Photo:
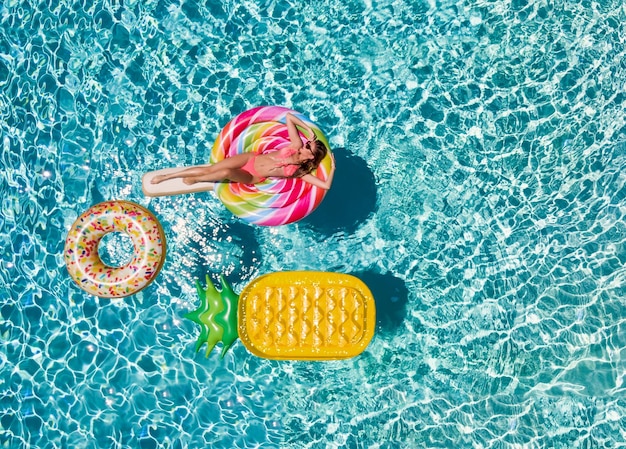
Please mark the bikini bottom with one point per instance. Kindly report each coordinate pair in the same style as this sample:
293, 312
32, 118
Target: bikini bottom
249, 167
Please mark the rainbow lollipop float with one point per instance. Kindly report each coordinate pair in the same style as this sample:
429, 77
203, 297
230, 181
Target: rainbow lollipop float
273, 202
294, 315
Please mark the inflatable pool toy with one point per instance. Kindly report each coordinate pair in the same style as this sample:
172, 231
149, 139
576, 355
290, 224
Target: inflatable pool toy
273, 202
81, 249
297, 315
306, 315
293, 315
276, 201
216, 316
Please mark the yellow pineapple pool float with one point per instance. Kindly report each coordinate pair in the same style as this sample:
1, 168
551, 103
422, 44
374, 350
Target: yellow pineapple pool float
293, 315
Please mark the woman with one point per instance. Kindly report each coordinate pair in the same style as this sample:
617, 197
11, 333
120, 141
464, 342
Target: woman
295, 161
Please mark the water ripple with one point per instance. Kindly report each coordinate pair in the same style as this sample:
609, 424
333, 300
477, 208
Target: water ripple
495, 133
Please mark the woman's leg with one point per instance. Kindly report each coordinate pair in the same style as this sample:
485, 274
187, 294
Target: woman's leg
224, 174
206, 171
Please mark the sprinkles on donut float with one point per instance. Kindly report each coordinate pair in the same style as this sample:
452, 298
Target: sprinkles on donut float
81, 249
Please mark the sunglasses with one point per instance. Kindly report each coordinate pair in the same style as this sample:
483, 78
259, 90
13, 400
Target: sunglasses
308, 145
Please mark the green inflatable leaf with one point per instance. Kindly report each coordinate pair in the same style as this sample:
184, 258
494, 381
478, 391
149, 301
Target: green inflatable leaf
216, 316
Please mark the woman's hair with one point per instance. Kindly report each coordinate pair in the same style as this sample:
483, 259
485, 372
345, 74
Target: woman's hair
319, 151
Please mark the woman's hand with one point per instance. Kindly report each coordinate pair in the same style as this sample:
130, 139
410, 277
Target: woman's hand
294, 136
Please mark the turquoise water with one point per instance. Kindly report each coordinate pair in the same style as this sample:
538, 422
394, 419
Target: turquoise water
480, 193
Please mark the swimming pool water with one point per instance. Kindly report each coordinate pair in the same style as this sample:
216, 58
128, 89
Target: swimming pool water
480, 193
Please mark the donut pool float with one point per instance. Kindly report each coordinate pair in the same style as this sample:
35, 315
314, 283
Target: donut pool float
86, 267
275, 201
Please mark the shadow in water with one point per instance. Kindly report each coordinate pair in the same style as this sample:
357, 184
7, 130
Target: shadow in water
351, 199
226, 248
391, 297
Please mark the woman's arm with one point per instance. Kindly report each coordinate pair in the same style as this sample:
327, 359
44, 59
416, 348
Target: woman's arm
292, 123
314, 180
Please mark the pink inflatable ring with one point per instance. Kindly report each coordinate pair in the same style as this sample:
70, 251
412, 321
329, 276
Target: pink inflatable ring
275, 201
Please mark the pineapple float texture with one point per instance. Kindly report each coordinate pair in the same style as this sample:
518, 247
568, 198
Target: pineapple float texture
294, 315
305, 315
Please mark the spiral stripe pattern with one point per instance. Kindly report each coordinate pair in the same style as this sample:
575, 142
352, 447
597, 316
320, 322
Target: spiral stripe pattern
275, 201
